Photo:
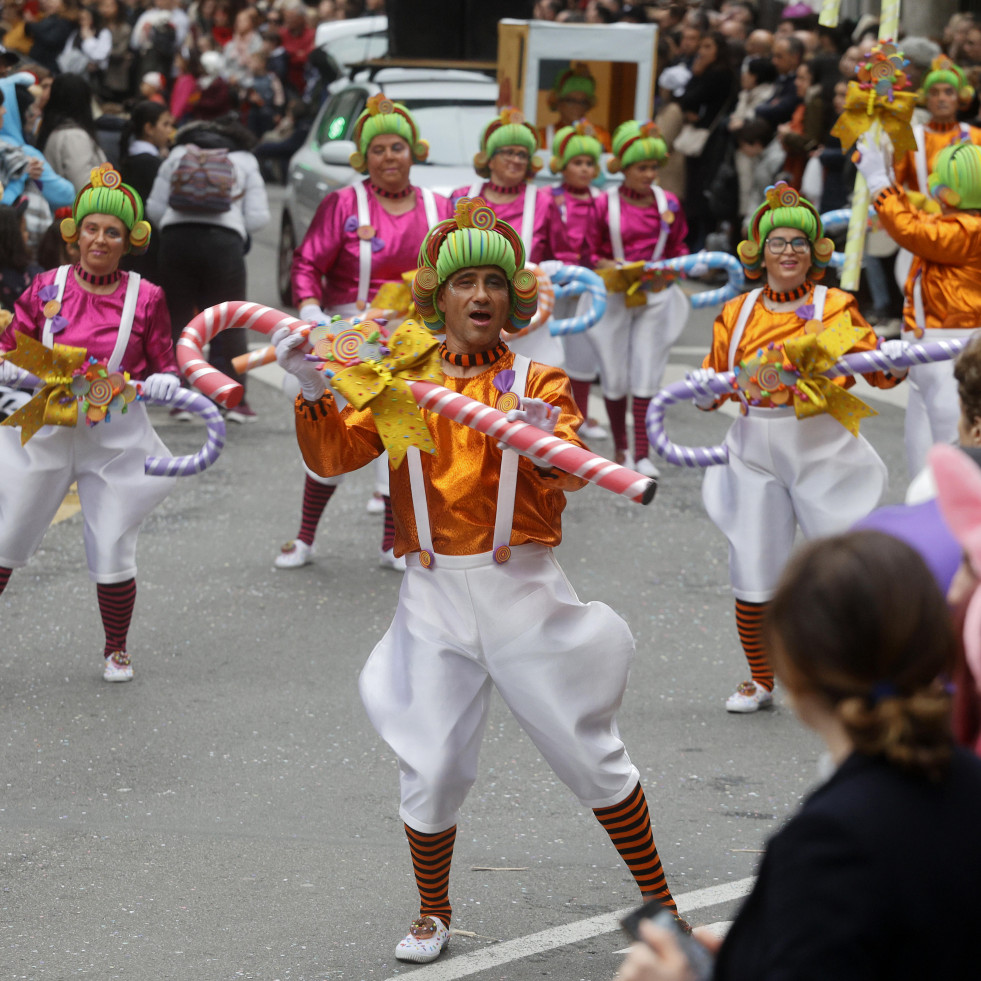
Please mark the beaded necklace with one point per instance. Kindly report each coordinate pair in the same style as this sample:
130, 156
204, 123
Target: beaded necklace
480, 359
795, 294
88, 277
392, 195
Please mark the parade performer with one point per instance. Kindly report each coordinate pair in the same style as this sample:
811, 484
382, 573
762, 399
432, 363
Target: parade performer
507, 160
572, 96
944, 91
576, 156
785, 471
641, 223
120, 319
361, 238
943, 287
483, 603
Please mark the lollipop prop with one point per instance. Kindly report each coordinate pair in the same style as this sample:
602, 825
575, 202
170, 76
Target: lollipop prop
874, 104
858, 363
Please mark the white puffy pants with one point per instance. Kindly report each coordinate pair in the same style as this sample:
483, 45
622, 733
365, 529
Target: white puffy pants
784, 472
468, 624
933, 407
115, 493
631, 344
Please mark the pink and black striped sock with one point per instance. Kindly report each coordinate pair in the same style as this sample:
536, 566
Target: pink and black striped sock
4, 577
116, 602
641, 445
315, 498
580, 392
388, 535
616, 409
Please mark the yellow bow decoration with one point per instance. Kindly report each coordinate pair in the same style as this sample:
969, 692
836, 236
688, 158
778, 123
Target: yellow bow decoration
814, 354
383, 386
55, 404
395, 296
863, 107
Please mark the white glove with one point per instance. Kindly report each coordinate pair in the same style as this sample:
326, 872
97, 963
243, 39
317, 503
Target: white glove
704, 398
162, 387
536, 413
873, 165
892, 351
313, 314
9, 373
291, 359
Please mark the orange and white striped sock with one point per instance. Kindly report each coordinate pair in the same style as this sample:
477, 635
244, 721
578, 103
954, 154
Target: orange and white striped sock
629, 826
749, 624
431, 858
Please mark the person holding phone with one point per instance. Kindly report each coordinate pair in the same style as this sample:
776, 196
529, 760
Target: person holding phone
861, 637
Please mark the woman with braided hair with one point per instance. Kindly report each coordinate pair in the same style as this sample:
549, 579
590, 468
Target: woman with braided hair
783, 471
863, 641
120, 319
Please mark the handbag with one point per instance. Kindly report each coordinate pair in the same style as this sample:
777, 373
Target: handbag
690, 142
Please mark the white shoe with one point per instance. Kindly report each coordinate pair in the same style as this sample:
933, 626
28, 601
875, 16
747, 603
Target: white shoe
749, 697
294, 554
422, 950
375, 505
118, 667
625, 458
592, 430
387, 560
647, 468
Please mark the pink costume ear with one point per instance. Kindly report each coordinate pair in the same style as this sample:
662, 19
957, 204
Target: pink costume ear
958, 480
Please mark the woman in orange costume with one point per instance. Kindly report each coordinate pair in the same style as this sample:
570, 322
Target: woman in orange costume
783, 471
943, 288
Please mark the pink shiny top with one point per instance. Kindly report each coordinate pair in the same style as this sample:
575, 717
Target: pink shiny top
93, 323
547, 232
583, 229
326, 263
641, 227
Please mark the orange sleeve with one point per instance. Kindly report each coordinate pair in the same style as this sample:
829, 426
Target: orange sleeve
333, 442
943, 239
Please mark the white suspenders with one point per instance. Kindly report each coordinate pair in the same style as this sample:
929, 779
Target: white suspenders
125, 322
364, 245
616, 233
505, 489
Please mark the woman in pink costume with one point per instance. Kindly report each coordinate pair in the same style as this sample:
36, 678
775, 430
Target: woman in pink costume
361, 238
576, 156
506, 162
121, 319
641, 222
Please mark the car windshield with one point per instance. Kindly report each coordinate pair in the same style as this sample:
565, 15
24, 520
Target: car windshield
452, 128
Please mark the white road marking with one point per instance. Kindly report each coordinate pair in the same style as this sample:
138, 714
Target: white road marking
568, 933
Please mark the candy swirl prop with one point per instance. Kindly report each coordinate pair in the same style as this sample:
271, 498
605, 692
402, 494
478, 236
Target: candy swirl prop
185, 466
686, 264
573, 281
874, 104
476, 415
233, 313
858, 363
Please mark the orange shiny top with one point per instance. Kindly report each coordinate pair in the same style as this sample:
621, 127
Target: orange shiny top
946, 256
462, 476
765, 327
935, 140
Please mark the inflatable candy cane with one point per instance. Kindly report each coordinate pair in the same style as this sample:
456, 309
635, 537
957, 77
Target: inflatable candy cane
548, 449
573, 281
713, 260
858, 363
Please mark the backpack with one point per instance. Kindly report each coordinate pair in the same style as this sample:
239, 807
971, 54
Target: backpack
202, 181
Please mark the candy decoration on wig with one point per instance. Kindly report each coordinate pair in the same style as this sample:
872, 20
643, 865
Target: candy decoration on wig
473, 237
507, 129
574, 141
875, 103
634, 141
106, 194
956, 179
766, 368
382, 116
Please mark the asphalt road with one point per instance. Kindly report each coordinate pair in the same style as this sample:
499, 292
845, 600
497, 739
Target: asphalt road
231, 813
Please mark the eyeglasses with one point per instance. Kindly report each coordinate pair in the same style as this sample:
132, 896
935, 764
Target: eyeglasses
521, 156
779, 245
